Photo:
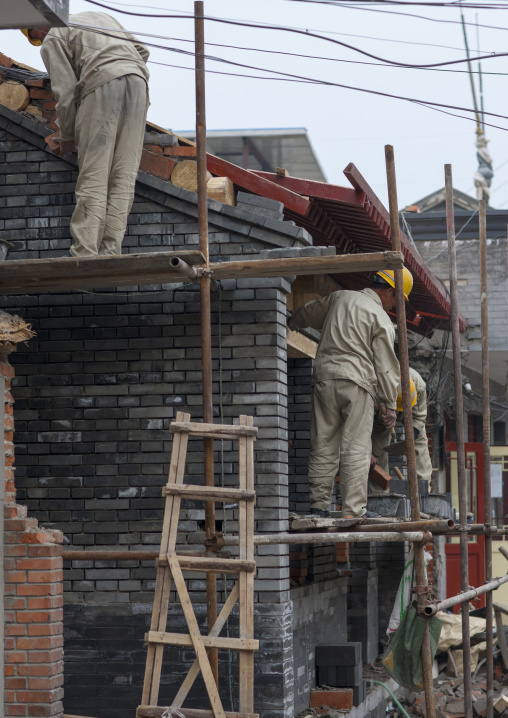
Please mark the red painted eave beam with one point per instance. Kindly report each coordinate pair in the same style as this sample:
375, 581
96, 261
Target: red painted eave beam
258, 185
411, 256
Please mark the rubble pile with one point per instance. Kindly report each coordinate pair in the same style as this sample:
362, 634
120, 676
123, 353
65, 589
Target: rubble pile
449, 696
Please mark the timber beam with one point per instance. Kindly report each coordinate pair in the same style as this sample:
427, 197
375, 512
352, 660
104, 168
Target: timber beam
338, 264
34, 276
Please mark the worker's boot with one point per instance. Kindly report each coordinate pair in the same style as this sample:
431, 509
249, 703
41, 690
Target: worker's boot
320, 513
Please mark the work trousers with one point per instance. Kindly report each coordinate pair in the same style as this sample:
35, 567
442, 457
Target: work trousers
341, 430
381, 437
110, 128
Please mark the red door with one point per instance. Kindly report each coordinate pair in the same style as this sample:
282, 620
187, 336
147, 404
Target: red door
474, 496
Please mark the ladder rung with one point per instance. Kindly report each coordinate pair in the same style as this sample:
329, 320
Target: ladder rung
213, 431
158, 711
183, 639
215, 493
220, 565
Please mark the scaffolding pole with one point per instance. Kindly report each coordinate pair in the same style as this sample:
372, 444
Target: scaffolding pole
421, 587
482, 206
206, 321
459, 424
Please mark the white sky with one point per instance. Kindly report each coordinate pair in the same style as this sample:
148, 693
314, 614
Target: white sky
344, 126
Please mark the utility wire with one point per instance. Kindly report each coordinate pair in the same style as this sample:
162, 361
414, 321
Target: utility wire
283, 27
426, 103
326, 32
261, 26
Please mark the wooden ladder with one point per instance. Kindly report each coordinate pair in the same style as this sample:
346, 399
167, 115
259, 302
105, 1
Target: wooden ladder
169, 568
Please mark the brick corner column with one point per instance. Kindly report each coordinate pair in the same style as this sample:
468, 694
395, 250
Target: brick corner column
33, 595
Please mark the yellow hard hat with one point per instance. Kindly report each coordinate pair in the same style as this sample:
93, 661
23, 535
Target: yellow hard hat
414, 395
407, 279
32, 40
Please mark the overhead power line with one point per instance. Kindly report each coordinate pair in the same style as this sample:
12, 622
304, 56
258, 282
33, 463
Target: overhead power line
287, 28
284, 75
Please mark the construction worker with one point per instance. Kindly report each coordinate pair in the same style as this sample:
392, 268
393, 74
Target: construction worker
381, 436
355, 364
99, 78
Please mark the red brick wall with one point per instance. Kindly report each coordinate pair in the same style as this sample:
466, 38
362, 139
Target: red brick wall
33, 599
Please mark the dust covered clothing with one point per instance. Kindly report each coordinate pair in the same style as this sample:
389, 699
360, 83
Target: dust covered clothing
100, 84
355, 362
79, 61
356, 343
381, 436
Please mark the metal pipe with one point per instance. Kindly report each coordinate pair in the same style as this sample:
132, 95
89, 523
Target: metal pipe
466, 596
459, 423
487, 495
206, 321
420, 573
183, 267
329, 537
432, 525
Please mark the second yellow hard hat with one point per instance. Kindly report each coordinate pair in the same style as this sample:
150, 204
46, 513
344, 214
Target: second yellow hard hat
389, 276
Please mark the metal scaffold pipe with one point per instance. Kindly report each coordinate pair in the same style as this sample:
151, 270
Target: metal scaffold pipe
487, 496
420, 574
332, 537
470, 595
459, 425
206, 321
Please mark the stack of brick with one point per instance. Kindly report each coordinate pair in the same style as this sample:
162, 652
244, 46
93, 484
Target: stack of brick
339, 665
33, 597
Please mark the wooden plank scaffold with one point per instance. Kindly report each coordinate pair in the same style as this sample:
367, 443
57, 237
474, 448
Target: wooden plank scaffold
169, 570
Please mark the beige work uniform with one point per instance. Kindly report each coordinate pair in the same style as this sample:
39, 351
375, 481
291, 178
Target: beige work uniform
100, 84
381, 436
355, 363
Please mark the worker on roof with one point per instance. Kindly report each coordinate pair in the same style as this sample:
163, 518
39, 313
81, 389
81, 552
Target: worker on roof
355, 365
381, 435
100, 81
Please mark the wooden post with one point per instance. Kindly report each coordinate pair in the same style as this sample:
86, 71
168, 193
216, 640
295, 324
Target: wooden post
206, 321
459, 424
421, 579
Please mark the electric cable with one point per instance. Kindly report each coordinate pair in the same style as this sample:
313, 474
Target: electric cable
287, 28
425, 103
326, 32
307, 34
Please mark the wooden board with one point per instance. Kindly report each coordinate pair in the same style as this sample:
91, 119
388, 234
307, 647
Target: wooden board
215, 493
182, 639
29, 276
339, 264
158, 711
219, 431
310, 523
299, 346
221, 189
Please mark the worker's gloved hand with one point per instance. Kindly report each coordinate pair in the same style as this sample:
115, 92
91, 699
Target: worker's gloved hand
416, 432
389, 418
373, 460
67, 146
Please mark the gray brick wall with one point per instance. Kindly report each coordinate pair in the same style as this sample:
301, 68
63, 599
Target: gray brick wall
95, 393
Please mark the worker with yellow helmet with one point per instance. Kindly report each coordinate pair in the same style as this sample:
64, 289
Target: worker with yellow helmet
99, 77
381, 436
355, 366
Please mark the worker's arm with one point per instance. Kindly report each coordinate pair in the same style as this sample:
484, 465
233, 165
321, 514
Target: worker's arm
386, 365
56, 53
312, 314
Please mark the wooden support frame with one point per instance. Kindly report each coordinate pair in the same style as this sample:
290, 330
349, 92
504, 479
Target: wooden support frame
169, 571
33, 276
